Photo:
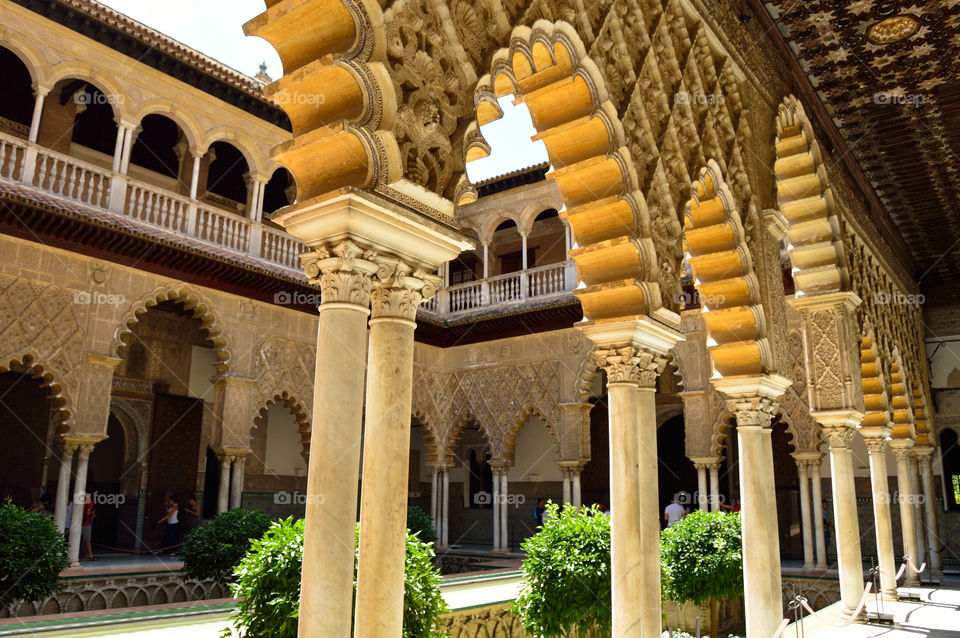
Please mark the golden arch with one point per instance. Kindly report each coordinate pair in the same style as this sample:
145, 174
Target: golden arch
807, 202
715, 245
547, 68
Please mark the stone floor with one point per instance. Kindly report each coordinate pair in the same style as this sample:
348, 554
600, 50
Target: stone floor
117, 563
935, 615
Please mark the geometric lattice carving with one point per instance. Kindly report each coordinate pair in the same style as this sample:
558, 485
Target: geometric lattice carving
284, 371
40, 330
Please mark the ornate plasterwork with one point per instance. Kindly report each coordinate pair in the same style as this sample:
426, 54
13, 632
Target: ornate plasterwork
399, 290
343, 271
284, 372
630, 365
41, 334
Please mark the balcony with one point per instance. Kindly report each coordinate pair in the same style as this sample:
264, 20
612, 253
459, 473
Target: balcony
544, 284
35, 166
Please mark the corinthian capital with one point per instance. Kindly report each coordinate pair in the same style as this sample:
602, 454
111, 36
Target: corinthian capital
344, 272
630, 365
876, 445
839, 437
753, 411
399, 289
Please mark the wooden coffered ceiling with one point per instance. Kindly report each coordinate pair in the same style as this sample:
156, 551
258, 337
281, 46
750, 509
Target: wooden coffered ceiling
896, 105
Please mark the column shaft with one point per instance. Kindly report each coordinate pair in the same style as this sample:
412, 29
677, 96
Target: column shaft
849, 560
445, 503
223, 493
326, 592
566, 485
504, 504
496, 508
917, 510
818, 514
63, 487
434, 499
907, 529
118, 147
386, 461
929, 508
195, 177
649, 509
37, 113
715, 487
79, 493
702, 494
577, 500
881, 515
625, 544
762, 587
236, 483
805, 514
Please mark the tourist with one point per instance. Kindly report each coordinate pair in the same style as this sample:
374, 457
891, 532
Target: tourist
674, 512
732, 508
191, 516
171, 533
538, 512
89, 513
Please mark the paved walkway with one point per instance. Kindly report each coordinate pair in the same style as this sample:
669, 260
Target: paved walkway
936, 615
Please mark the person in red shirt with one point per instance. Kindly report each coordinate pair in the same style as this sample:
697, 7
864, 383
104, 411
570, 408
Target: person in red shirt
89, 513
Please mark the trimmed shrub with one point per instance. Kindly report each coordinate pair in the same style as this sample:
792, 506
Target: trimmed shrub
268, 585
32, 555
566, 589
214, 549
420, 523
702, 560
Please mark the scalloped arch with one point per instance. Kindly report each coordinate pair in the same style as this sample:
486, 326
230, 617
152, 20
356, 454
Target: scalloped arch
513, 431
807, 202
32, 364
301, 416
192, 300
715, 245
547, 68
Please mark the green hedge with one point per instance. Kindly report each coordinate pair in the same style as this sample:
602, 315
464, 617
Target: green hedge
32, 555
214, 549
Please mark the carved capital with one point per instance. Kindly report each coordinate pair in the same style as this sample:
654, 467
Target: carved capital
876, 445
399, 289
838, 437
343, 271
630, 365
903, 453
753, 411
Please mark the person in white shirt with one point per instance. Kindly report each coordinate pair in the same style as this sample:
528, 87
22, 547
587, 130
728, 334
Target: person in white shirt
674, 512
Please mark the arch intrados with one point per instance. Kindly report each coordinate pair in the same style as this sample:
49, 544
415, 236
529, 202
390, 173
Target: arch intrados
166, 108
513, 432
116, 98
28, 56
32, 365
233, 138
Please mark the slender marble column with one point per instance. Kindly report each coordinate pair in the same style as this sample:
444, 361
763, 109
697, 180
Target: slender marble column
649, 498
79, 496
39, 94
496, 508
566, 485
702, 496
802, 468
236, 482
930, 509
714, 486
128, 140
434, 499
577, 497
223, 493
762, 586
63, 485
118, 146
326, 590
445, 502
386, 451
626, 548
504, 504
901, 449
849, 560
877, 446
915, 499
818, 513
195, 175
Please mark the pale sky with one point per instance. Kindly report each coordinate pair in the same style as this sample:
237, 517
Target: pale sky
215, 28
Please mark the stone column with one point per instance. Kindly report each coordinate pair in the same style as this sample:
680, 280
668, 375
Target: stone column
79, 494
901, 450
63, 484
118, 146
714, 469
195, 174
703, 498
566, 485
504, 504
577, 500
495, 499
128, 140
434, 499
445, 502
40, 92
849, 560
236, 482
386, 452
326, 591
633, 354
223, 491
877, 446
523, 266
915, 499
821, 536
924, 455
802, 467
762, 587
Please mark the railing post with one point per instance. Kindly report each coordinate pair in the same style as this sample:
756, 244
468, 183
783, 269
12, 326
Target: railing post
118, 193
191, 229
484, 293
570, 275
256, 237
524, 278
29, 164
